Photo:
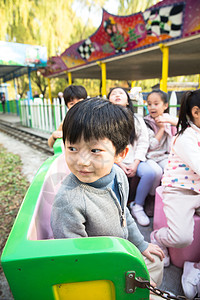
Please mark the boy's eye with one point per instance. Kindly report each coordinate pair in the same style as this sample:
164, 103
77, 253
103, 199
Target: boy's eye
95, 150
72, 149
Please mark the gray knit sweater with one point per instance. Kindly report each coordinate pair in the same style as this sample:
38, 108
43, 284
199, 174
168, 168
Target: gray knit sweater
81, 210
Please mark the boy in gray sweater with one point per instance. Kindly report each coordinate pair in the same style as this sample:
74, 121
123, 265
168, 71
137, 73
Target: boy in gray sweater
92, 200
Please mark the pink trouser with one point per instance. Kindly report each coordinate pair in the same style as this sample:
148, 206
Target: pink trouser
180, 205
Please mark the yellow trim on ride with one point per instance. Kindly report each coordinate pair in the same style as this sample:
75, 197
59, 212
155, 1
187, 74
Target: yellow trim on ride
87, 290
69, 75
103, 77
165, 63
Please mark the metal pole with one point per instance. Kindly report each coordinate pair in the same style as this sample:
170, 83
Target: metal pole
165, 63
49, 85
29, 79
133, 82
69, 74
103, 77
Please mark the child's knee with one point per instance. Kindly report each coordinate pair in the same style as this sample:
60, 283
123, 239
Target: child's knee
150, 174
158, 173
155, 269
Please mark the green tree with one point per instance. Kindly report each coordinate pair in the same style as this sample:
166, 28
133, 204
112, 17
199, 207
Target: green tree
127, 7
40, 82
22, 85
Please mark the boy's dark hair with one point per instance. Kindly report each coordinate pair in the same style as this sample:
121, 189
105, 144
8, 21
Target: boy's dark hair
188, 101
98, 118
74, 91
163, 95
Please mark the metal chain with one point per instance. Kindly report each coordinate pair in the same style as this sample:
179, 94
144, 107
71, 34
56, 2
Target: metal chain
164, 294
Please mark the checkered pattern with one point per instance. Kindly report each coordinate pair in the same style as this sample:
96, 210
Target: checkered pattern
164, 20
85, 50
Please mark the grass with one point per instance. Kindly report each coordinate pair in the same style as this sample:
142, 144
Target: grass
13, 186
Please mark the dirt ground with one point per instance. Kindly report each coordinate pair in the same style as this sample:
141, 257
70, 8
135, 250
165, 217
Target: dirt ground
31, 160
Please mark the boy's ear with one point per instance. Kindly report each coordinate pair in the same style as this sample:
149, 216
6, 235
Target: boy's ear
121, 155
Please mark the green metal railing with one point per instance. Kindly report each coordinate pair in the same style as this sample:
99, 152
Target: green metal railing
11, 107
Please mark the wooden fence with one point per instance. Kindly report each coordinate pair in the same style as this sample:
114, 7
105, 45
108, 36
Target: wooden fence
42, 115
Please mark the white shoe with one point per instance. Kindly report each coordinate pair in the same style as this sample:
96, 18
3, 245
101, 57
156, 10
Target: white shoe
138, 213
153, 239
190, 280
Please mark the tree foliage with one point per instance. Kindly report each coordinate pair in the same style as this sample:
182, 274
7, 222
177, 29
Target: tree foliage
40, 82
127, 7
51, 23
56, 24
22, 85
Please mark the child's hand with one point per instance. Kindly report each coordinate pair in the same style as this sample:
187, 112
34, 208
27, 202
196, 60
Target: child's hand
132, 168
57, 134
167, 119
160, 121
154, 249
123, 167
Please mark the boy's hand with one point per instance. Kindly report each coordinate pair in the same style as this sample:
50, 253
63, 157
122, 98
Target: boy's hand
154, 249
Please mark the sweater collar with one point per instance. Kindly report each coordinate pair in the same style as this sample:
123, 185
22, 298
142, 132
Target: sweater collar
104, 181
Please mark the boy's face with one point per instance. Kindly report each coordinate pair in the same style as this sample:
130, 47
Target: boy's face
89, 161
72, 102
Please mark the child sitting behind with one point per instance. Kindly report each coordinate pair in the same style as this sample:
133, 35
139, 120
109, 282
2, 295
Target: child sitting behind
135, 162
161, 128
72, 94
92, 200
181, 179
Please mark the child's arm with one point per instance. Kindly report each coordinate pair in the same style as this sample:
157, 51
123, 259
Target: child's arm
67, 217
55, 135
124, 167
166, 118
141, 144
161, 129
154, 143
187, 148
137, 239
132, 168
134, 234
161, 121
155, 139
